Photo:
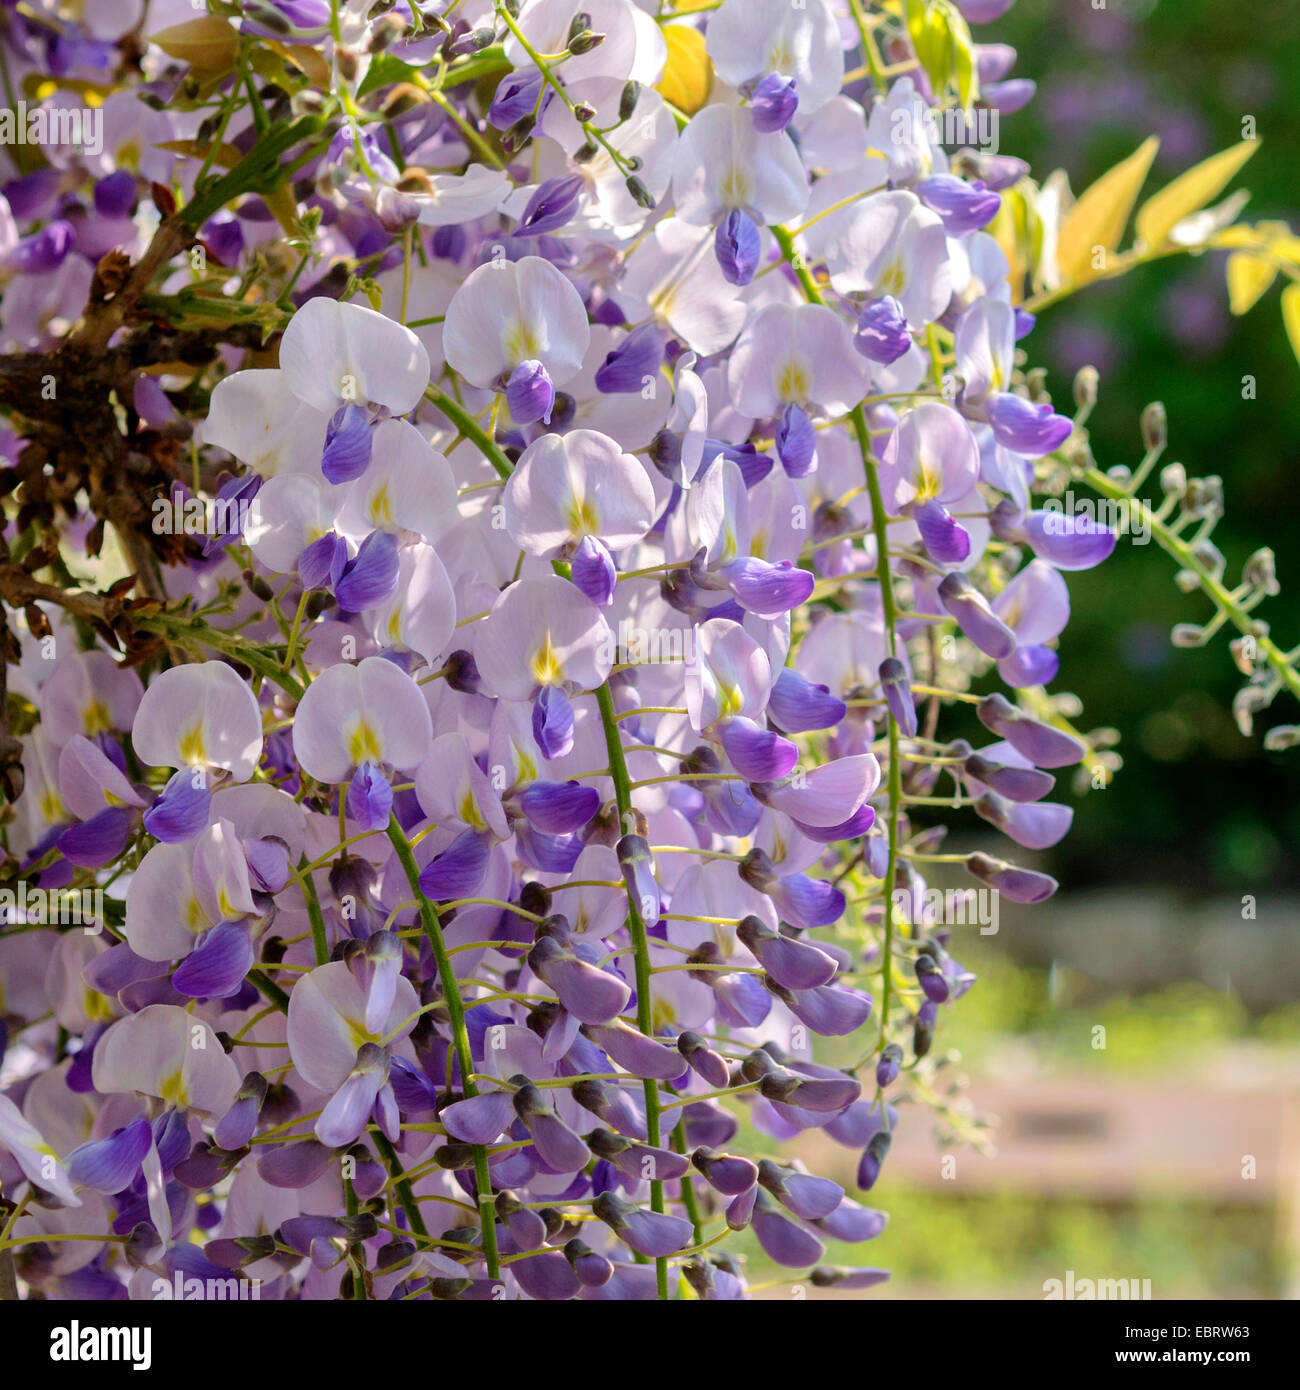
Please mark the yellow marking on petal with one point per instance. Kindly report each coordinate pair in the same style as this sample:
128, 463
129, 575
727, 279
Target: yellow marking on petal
469, 812
527, 767
363, 746
662, 1013
793, 384
730, 701
545, 665
395, 625
52, 807
893, 279
779, 58
195, 921
737, 188
229, 912
96, 718
520, 342
95, 1006
582, 517
381, 507
931, 484
191, 745
172, 1089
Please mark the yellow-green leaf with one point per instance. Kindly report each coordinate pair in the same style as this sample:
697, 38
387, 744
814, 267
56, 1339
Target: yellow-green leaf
1190, 192
1291, 316
1248, 277
1098, 219
688, 73
207, 44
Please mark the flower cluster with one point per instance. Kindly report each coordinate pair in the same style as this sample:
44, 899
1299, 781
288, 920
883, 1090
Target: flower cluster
610, 455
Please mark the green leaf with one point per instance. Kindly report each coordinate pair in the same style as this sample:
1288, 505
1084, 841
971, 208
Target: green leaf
1248, 278
1190, 192
1097, 220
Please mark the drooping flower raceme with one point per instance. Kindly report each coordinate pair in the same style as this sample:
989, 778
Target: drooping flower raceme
621, 458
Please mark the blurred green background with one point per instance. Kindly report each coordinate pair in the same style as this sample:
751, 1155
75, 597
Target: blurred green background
1198, 815
1194, 797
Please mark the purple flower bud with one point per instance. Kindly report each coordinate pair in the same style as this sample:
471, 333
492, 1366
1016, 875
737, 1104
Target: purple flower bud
217, 968
516, 97
627, 366
42, 252
530, 393
115, 194
458, 870
348, 440
1015, 783
370, 798
773, 103
963, 207
613, 1105
946, 541
590, 994
873, 1156
994, 60
784, 1241
809, 1198
1037, 825
726, 1174
1033, 665
321, 564
559, 1148
478, 1119
999, 171
758, 754
182, 809
295, 1165
370, 577
636, 1053
1019, 885
796, 442
237, 1125
799, 706
593, 571
1010, 96
594, 1271
887, 1069
978, 621
109, 1165
551, 206
793, 964
559, 808
931, 977
1025, 322
553, 722
652, 1234
898, 695
1024, 427
881, 333
738, 247
99, 840
1043, 745
1066, 540
767, 590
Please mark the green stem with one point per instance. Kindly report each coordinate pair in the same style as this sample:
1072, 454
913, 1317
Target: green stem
460, 1036
640, 951
889, 605
1169, 541
470, 428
